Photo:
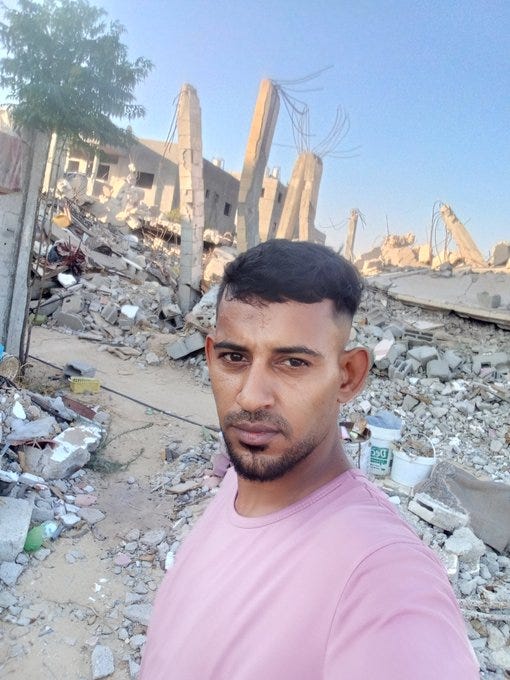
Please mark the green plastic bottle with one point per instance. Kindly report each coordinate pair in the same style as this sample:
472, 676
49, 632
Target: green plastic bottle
39, 534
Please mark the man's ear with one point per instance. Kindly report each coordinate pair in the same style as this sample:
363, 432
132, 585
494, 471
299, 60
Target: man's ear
209, 348
354, 367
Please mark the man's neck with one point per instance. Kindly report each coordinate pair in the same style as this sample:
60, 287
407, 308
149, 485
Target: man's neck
255, 499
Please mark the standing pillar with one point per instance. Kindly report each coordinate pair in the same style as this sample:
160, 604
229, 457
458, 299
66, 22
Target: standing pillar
255, 162
287, 226
191, 185
312, 173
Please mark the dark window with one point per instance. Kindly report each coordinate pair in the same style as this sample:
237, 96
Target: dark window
103, 171
73, 166
262, 192
207, 193
144, 180
110, 158
226, 209
279, 199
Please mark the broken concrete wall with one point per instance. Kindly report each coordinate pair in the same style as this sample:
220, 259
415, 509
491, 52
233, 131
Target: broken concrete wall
467, 247
255, 162
290, 214
17, 219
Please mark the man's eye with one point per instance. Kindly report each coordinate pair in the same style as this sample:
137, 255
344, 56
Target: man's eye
296, 363
232, 357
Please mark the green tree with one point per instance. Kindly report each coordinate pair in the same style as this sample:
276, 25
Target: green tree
68, 72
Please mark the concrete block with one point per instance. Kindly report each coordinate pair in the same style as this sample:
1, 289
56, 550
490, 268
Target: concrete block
488, 301
110, 313
402, 368
10, 572
423, 354
72, 321
72, 304
453, 360
71, 452
15, 516
187, 345
437, 513
24, 430
501, 254
496, 360
438, 368
79, 368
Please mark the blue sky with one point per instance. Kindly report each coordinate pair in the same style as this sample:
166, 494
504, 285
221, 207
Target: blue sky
426, 86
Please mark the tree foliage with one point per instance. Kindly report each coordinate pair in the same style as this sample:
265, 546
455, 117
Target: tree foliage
68, 72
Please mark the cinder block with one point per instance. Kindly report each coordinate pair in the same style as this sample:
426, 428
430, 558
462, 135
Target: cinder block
187, 345
15, 516
438, 368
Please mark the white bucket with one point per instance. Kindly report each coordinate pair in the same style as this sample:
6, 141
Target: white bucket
381, 445
409, 469
359, 453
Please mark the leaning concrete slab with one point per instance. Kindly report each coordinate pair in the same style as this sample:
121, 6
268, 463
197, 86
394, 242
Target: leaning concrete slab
15, 516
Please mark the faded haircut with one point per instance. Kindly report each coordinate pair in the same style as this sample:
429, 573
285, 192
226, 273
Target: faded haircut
281, 271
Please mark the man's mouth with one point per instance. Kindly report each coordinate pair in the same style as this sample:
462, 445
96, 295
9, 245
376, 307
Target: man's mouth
254, 434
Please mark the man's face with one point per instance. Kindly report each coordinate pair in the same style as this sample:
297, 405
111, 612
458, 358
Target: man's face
276, 373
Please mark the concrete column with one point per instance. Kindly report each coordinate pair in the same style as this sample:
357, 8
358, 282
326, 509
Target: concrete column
17, 221
348, 252
191, 184
467, 247
312, 173
255, 162
54, 164
288, 226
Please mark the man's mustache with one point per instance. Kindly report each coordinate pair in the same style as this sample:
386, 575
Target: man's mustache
259, 416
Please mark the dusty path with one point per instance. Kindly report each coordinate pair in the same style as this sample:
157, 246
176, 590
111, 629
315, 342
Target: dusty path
75, 597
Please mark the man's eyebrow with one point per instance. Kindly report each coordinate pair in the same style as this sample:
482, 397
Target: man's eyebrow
291, 349
225, 344
298, 349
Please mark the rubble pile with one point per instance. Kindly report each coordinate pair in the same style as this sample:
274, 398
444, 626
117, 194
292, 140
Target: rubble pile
402, 252
117, 288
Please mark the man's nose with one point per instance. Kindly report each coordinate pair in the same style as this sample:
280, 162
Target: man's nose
257, 389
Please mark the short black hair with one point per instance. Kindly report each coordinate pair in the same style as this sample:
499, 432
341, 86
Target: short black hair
280, 271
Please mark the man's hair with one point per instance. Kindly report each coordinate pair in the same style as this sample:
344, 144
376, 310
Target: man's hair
280, 271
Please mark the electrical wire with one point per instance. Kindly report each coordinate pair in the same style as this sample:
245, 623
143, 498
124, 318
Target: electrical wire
138, 401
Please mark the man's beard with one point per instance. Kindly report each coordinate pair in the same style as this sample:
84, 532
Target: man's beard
256, 465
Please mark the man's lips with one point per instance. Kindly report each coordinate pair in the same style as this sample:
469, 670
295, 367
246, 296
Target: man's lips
254, 434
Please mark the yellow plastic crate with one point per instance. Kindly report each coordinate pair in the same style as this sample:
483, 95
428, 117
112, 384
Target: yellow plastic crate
81, 385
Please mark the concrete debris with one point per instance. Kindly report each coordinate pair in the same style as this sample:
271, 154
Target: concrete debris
102, 662
15, 514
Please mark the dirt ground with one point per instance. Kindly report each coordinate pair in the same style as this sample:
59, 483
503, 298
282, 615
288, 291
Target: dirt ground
74, 604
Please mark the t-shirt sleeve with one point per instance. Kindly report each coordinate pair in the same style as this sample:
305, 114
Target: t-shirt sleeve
397, 619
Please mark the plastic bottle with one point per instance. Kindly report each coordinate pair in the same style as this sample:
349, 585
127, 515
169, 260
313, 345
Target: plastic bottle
39, 534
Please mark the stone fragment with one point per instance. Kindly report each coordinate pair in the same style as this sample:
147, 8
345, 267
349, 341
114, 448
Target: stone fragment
102, 662
91, 515
153, 538
10, 572
501, 657
7, 599
467, 546
80, 368
138, 613
85, 500
152, 359
110, 313
72, 304
452, 359
500, 254
72, 451
15, 514
69, 519
186, 345
72, 321
122, 560
438, 368
27, 430
488, 301
423, 354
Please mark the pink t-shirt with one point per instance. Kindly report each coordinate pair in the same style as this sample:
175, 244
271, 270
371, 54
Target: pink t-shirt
333, 587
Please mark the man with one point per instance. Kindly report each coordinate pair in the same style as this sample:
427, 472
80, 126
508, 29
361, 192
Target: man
299, 569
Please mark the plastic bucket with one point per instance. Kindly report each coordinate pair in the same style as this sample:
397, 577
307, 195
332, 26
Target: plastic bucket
357, 450
381, 446
409, 469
